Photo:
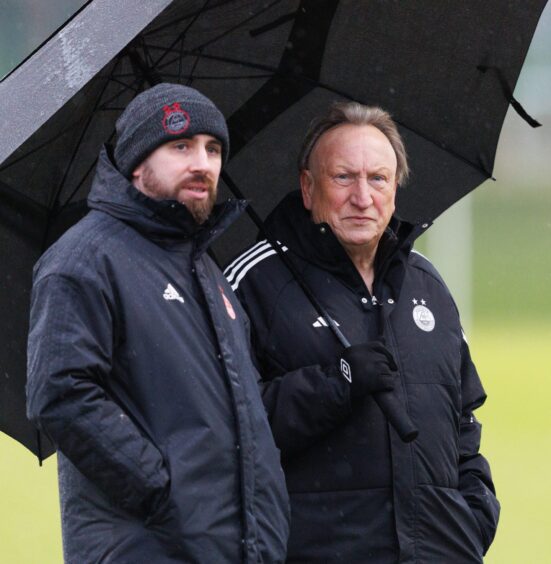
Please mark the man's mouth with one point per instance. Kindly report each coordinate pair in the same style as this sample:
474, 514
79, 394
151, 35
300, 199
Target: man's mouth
196, 191
360, 219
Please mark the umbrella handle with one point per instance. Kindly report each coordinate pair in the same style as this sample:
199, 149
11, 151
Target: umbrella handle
396, 414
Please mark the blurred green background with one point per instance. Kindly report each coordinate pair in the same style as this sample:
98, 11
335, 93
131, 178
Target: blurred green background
493, 249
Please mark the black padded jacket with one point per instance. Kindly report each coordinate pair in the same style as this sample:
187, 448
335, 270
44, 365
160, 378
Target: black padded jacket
140, 372
358, 493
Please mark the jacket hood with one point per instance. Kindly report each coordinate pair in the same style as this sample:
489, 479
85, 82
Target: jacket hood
160, 220
290, 223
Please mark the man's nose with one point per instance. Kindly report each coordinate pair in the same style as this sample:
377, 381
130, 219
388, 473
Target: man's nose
361, 195
200, 161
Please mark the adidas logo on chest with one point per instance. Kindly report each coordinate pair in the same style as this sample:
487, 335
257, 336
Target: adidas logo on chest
171, 294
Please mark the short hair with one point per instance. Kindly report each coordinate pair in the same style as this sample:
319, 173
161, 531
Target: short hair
354, 113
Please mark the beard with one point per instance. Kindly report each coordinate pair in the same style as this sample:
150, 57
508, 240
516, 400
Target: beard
155, 188
201, 210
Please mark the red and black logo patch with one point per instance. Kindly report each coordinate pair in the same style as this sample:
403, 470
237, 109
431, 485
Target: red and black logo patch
175, 119
227, 303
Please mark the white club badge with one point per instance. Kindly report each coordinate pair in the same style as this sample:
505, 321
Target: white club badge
423, 316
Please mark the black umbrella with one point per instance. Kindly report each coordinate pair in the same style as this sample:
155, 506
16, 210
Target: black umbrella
445, 70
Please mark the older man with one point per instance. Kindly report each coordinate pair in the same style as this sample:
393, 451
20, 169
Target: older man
358, 493
139, 366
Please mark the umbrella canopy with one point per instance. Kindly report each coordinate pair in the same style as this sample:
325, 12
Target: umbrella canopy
445, 70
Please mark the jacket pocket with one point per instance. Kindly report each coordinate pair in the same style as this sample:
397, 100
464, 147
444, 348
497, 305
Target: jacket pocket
164, 522
485, 508
447, 528
342, 526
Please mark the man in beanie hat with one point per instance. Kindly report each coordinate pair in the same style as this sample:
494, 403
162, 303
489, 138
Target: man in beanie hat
157, 125
139, 368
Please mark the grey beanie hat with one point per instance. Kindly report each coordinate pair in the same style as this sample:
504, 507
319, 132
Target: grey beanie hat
163, 113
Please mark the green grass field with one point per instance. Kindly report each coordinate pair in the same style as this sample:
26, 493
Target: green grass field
511, 345
515, 364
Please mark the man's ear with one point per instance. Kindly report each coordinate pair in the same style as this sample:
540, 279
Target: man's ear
306, 187
136, 177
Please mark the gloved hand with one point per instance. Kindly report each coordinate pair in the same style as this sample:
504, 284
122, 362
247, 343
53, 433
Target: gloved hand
369, 368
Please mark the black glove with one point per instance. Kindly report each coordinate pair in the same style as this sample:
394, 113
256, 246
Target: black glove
369, 368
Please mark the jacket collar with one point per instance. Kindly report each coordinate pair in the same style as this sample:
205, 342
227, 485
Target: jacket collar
290, 223
167, 222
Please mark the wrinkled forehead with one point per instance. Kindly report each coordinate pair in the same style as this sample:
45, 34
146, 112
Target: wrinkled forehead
354, 145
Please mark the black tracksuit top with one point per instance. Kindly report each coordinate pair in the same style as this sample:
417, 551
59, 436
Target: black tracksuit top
358, 493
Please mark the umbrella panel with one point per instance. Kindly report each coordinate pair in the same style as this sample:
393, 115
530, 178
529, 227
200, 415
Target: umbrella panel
19, 233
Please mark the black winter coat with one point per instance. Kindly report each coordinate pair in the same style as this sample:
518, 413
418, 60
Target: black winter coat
358, 493
139, 371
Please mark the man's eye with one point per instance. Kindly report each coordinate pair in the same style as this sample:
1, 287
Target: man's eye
343, 177
214, 149
379, 180
180, 146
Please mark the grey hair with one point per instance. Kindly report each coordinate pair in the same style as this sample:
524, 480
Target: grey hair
341, 113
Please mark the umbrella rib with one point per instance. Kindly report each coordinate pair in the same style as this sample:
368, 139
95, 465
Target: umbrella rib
83, 179
195, 15
42, 145
126, 87
195, 52
79, 185
147, 52
181, 58
182, 35
170, 62
195, 63
212, 77
210, 41
272, 25
237, 26
143, 70
75, 151
156, 30
30, 202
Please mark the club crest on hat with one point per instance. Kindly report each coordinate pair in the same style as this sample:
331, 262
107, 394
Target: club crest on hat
175, 119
